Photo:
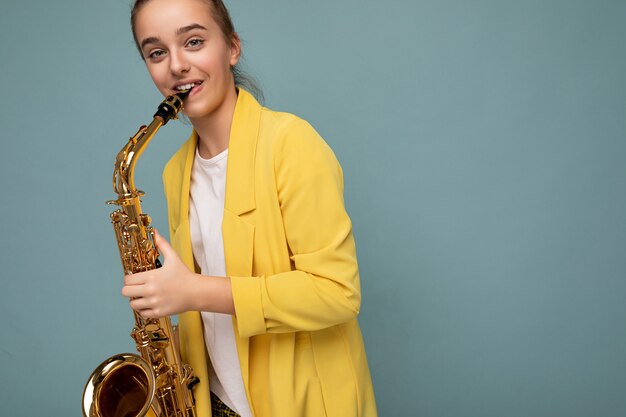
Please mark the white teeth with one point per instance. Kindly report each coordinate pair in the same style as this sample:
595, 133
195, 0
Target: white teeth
186, 86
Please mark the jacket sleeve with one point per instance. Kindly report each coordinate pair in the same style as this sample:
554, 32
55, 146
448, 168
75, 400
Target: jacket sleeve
322, 289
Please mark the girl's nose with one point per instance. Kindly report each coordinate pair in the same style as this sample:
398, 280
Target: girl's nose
178, 63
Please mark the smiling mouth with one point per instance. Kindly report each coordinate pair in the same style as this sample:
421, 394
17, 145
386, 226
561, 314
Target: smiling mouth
188, 86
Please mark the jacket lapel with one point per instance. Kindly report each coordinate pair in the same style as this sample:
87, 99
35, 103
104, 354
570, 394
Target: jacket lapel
182, 235
241, 155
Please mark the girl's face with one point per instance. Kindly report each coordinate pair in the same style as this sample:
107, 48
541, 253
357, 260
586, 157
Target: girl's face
182, 46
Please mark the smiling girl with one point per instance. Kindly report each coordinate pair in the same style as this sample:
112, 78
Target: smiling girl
262, 268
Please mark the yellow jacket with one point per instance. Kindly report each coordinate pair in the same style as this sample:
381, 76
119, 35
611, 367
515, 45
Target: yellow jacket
291, 257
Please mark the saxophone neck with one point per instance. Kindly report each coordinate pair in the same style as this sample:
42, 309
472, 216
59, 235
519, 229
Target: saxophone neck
124, 173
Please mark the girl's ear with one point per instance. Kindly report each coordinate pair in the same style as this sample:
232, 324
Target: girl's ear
235, 50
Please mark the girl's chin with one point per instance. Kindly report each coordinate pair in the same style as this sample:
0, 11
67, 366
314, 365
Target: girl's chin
192, 113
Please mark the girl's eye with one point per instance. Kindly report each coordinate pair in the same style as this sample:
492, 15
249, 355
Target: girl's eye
156, 54
194, 43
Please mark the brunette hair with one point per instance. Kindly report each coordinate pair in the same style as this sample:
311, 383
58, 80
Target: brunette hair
221, 16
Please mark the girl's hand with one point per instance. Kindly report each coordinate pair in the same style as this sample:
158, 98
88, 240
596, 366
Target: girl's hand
164, 291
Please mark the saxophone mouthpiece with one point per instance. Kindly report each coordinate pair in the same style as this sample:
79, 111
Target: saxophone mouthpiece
171, 106
183, 94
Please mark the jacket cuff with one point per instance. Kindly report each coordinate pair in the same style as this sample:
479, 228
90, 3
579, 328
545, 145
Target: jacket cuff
248, 305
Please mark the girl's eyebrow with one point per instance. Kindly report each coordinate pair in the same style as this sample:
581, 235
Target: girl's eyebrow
179, 31
188, 28
151, 39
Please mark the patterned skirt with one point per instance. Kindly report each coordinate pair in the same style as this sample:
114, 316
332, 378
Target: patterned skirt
219, 409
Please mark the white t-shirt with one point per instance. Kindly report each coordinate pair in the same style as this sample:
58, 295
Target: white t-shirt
206, 210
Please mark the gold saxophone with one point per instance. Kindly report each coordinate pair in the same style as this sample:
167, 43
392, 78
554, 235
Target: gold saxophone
129, 385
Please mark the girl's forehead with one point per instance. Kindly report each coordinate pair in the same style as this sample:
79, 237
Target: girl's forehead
164, 15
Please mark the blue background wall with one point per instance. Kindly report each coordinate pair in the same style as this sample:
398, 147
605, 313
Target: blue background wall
484, 149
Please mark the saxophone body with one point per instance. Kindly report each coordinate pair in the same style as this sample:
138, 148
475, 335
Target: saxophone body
155, 382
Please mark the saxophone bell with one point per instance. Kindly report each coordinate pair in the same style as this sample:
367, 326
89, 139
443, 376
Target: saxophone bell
122, 386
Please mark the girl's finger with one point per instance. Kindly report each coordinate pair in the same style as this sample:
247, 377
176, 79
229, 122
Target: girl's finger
133, 291
135, 279
140, 304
